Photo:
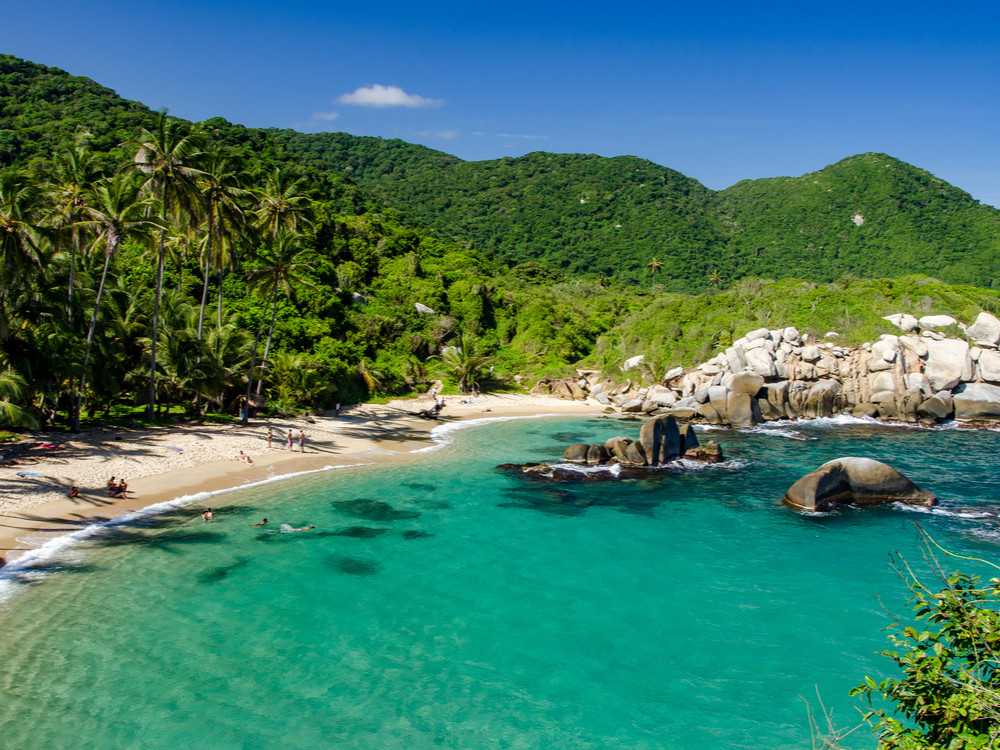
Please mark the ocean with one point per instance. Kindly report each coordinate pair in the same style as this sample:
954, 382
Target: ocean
442, 603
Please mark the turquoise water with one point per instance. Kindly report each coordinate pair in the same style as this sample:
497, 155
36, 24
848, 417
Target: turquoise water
445, 604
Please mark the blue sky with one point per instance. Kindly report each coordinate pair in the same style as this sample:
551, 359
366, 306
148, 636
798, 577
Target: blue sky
720, 91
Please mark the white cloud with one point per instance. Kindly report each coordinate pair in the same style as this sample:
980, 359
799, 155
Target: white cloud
529, 137
328, 116
438, 134
381, 96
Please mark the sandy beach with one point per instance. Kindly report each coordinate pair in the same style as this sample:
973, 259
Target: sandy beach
164, 463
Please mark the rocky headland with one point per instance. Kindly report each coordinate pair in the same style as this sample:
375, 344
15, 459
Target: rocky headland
935, 369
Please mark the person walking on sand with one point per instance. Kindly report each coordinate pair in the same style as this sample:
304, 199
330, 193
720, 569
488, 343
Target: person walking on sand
270, 437
206, 514
302, 441
288, 443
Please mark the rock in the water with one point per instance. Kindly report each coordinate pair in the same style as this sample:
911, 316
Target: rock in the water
854, 481
661, 440
576, 453
709, 453
597, 455
976, 401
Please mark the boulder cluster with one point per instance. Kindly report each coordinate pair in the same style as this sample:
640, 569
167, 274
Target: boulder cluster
919, 375
660, 442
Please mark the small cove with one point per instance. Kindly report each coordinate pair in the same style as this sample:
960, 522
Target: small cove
442, 603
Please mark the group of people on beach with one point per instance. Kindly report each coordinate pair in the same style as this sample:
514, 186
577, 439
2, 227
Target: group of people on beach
117, 489
289, 441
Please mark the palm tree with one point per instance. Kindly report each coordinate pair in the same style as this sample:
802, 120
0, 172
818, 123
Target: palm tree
714, 279
21, 213
169, 157
222, 197
464, 361
654, 267
286, 264
12, 386
117, 211
73, 171
282, 205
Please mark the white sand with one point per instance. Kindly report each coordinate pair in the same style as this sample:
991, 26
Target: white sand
163, 463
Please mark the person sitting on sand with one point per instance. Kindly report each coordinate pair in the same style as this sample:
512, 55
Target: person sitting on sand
111, 484
244, 458
206, 514
74, 491
261, 523
122, 488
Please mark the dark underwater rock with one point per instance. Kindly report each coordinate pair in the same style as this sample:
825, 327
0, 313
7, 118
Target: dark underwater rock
360, 532
373, 510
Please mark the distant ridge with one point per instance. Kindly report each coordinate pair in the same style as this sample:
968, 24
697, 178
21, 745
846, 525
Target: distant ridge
867, 215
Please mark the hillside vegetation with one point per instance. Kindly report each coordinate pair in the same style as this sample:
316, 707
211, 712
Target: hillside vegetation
325, 268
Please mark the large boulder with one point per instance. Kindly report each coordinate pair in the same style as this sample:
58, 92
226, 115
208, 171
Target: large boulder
985, 331
597, 455
854, 481
989, 365
661, 440
746, 382
976, 401
934, 322
948, 363
903, 321
576, 453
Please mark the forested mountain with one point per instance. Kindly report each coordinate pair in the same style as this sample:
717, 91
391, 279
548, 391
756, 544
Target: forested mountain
145, 260
868, 215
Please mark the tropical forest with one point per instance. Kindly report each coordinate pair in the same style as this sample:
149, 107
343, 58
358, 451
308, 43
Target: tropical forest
154, 267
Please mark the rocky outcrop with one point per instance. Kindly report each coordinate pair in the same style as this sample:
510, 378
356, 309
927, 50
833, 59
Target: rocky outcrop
915, 375
661, 441
854, 481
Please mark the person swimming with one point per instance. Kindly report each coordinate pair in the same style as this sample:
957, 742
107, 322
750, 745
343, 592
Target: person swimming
261, 523
287, 529
206, 514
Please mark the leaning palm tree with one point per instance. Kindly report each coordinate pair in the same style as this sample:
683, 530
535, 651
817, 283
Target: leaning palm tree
285, 265
169, 158
654, 267
117, 211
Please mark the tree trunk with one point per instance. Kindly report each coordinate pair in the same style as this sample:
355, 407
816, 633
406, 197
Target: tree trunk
270, 331
156, 313
90, 337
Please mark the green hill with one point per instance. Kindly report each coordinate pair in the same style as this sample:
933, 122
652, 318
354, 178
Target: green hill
579, 214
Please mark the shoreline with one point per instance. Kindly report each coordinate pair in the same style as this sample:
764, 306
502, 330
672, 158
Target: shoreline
167, 463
